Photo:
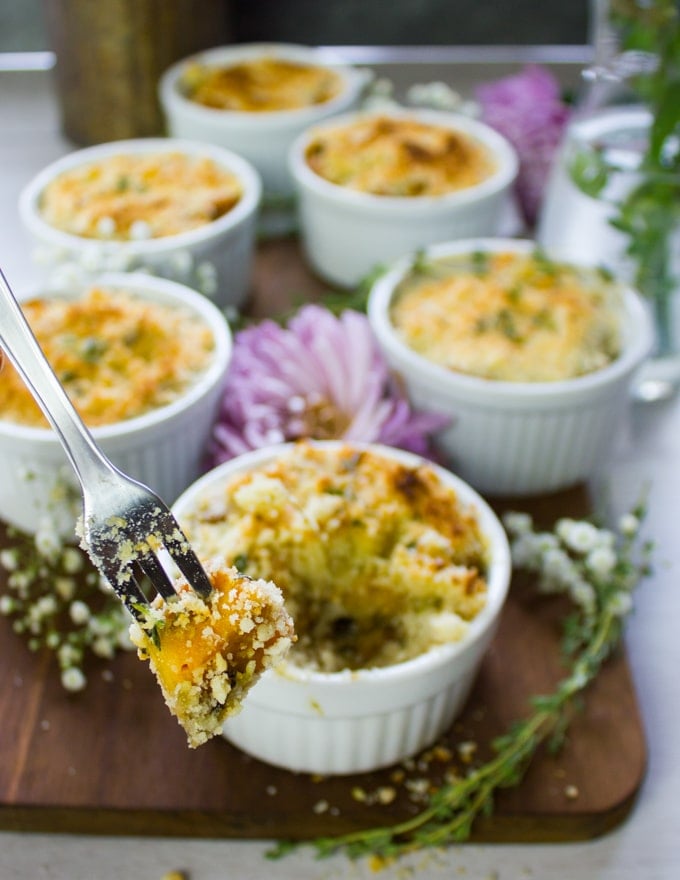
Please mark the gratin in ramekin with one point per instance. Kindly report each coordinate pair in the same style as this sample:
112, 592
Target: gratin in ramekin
359, 720
506, 437
263, 137
225, 246
346, 233
162, 448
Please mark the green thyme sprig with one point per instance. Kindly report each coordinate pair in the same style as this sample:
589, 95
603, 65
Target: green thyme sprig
598, 570
357, 297
57, 602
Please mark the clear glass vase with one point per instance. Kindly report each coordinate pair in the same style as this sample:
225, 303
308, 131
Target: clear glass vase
614, 196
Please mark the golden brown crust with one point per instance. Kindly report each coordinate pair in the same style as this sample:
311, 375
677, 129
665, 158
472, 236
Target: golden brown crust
377, 560
117, 355
139, 195
509, 316
392, 156
260, 85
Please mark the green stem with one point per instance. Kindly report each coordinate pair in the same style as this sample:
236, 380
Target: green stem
661, 289
432, 826
457, 795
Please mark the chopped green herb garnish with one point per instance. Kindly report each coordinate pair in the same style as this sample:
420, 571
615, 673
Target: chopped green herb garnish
91, 349
544, 319
544, 264
240, 562
149, 622
514, 294
421, 265
155, 635
480, 262
505, 322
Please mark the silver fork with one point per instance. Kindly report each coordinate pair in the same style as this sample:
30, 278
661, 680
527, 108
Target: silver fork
126, 526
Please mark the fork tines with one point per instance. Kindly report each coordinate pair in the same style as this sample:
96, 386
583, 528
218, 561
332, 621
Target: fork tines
147, 542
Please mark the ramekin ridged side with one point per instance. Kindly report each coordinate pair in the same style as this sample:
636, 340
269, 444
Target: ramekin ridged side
358, 720
517, 438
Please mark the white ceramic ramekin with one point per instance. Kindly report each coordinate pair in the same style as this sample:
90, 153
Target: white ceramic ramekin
262, 138
222, 250
163, 447
346, 233
359, 720
523, 438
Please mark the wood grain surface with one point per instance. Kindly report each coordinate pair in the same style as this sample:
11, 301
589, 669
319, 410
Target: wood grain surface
111, 760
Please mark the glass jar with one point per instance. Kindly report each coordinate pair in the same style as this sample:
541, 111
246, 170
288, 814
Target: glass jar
110, 55
614, 196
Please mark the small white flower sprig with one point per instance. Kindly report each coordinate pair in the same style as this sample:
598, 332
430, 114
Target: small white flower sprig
67, 271
598, 570
593, 566
58, 602
379, 97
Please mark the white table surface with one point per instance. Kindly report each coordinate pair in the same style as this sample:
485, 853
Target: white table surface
645, 847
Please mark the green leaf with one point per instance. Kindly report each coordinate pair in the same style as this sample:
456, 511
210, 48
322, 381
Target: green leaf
665, 124
589, 172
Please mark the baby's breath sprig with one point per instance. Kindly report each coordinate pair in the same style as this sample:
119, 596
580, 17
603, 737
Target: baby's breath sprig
68, 272
58, 602
598, 570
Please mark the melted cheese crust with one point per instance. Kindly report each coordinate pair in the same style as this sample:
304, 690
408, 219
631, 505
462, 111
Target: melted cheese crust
377, 561
116, 355
510, 317
399, 157
139, 196
261, 85
207, 654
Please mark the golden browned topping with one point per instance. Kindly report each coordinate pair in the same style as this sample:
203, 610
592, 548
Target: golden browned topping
137, 196
392, 156
509, 316
260, 85
207, 654
378, 561
117, 356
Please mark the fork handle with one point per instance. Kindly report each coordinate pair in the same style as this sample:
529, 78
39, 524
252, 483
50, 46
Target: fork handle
21, 347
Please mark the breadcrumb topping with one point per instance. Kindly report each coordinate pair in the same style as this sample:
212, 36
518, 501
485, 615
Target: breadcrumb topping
378, 561
388, 156
134, 196
116, 354
510, 316
259, 85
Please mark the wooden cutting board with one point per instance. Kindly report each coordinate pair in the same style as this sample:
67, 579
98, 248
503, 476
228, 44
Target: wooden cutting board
111, 760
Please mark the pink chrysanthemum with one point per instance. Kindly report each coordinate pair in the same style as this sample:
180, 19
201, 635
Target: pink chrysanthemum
527, 108
321, 377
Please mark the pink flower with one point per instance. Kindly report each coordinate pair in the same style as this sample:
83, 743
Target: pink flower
527, 108
321, 377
